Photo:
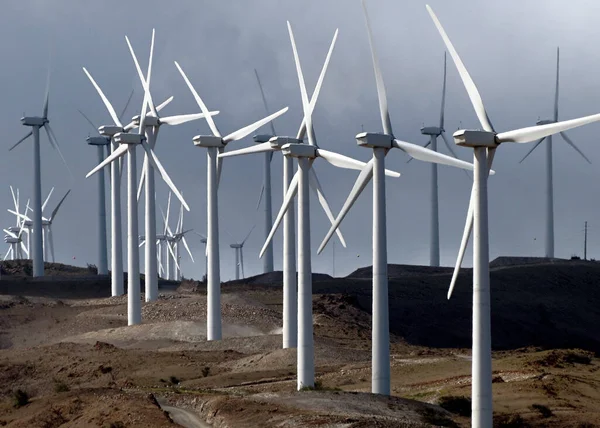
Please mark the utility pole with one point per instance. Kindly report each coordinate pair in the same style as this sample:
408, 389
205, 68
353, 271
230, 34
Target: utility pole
585, 242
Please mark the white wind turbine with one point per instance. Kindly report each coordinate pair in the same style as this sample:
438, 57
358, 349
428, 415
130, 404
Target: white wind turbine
153, 124
484, 143
13, 237
172, 241
381, 144
303, 179
101, 142
117, 286
47, 228
128, 143
238, 248
265, 191
180, 239
549, 182
215, 144
37, 122
434, 132
204, 240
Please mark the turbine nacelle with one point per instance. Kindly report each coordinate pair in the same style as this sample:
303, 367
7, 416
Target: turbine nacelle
279, 142
262, 138
431, 130
34, 121
148, 120
374, 140
299, 150
11, 240
545, 122
475, 138
123, 138
98, 141
236, 246
208, 141
110, 130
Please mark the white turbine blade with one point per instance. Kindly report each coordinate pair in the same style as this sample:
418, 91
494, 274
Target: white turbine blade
184, 118
381, 92
425, 145
47, 98
142, 243
361, 182
54, 143
451, 150
58, 206
468, 228
248, 235
24, 248
427, 155
47, 199
107, 103
531, 133
173, 255
346, 162
443, 97
166, 219
15, 202
117, 153
262, 190
11, 234
7, 253
187, 248
203, 108
139, 71
19, 215
556, 92
262, 93
164, 104
156, 164
51, 243
29, 134
533, 148
472, 90
572, 144
220, 151
316, 186
258, 148
287, 201
247, 130
142, 178
242, 262
305, 105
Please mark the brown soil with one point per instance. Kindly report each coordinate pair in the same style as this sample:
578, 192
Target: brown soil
67, 346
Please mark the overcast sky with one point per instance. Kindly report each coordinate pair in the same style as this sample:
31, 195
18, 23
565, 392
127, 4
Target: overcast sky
508, 47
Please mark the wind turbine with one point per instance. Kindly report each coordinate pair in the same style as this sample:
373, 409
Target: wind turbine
153, 124
101, 142
549, 186
172, 240
484, 143
37, 122
180, 239
434, 132
290, 305
381, 144
13, 238
204, 240
238, 249
306, 155
117, 287
128, 143
47, 227
215, 144
265, 191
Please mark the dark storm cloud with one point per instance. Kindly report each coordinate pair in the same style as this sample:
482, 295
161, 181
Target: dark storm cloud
508, 47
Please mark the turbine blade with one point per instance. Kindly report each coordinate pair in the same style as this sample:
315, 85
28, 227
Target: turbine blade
117, 153
361, 182
54, 143
381, 92
47, 199
184, 118
139, 71
451, 150
164, 103
173, 255
525, 135
468, 228
287, 201
220, 150
248, 235
305, 107
262, 190
346, 162
15, 201
107, 103
187, 248
262, 94
142, 178
126, 105
88, 120
58, 206
532, 149
29, 134
257, 148
572, 144
472, 90
427, 155
556, 92
156, 164
410, 158
203, 108
243, 132
166, 219
47, 97
443, 97
314, 183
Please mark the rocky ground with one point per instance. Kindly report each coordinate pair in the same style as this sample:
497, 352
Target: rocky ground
68, 358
